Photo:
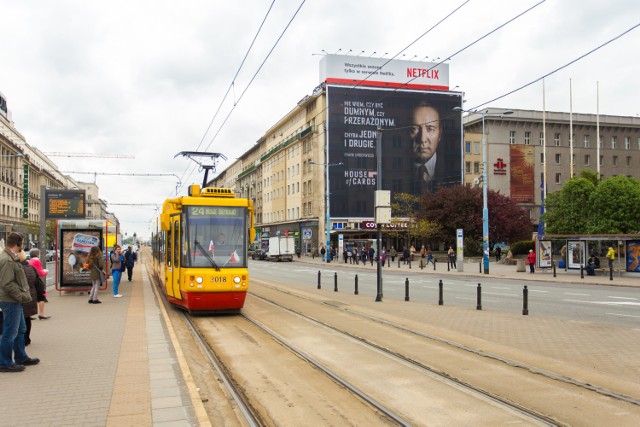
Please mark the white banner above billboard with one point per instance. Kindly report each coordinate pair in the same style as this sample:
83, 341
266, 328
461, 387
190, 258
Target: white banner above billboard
376, 72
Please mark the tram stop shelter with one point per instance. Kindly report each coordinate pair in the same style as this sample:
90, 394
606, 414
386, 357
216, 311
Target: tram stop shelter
571, 251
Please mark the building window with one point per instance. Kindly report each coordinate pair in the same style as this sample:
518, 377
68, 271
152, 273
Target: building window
476, 148
467, 167
628, 160
467, 147
558, 177
586, 141
601, 160
614, 142
556, 139
476, 167
627, 142
542, 141
615, 160
557, 158
600, 141
587, 159
512, 137
542, 158
527, 138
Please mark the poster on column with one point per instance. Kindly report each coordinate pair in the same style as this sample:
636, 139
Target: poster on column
575, 254
421, 144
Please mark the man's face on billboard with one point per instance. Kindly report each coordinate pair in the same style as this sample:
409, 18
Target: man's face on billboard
425, 133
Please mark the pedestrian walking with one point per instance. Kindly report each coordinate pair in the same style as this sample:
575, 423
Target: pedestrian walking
130, 258
117, 267
611, 256
96, 272
498, 252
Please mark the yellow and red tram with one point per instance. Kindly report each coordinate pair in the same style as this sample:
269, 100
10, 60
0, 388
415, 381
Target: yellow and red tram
200, 249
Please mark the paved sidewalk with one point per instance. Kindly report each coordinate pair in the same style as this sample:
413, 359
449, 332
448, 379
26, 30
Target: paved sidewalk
109, 364
498, 270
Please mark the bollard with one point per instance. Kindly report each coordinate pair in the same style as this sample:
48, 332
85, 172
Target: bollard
448, 264
554, 268
388, 262
525, 301
440, 296
610, 273
434, 264
335, 282
479, 303
406, 289
356, 291
581, 272
319, 279
409, 263
398, 262
480, 266
421, 264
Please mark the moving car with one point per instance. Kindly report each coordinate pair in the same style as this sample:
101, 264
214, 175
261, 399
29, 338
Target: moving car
259, 254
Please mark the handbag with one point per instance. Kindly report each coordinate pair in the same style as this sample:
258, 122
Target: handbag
102, 278
41, 288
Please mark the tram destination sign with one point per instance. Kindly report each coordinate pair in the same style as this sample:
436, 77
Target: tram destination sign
65, 204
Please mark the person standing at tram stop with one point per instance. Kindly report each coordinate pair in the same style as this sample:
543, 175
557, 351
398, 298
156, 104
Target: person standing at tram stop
130, 257
117, 264
531, 260
35, 262
611, 256
96, 272
452, 257
323, 251
14, 291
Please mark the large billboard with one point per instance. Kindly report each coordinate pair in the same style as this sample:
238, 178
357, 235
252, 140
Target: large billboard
421, 144
522, 173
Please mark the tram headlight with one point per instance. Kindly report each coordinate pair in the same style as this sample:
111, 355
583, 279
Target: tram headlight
199, 280
236, 280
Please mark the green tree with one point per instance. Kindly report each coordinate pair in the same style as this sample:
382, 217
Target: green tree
568, 211
461, 207
615, 205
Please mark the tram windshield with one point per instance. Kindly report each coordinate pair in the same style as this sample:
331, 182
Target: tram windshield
214, 237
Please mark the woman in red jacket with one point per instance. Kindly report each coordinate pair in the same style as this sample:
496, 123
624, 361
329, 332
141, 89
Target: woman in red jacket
34, 261
531, 260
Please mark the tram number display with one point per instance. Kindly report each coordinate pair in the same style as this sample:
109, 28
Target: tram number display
214, 211
63, 204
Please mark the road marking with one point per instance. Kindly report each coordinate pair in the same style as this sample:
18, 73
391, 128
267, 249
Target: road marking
627, 298
623, 315
606, 302
501, 287
537, 290
581, 295
498, 293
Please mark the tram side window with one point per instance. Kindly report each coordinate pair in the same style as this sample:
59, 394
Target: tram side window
176, 246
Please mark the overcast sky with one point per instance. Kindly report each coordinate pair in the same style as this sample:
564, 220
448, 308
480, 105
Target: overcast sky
145, 78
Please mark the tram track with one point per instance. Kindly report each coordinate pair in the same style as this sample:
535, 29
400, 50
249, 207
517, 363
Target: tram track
524, 385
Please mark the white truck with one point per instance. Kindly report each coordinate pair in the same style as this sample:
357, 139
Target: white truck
281, 248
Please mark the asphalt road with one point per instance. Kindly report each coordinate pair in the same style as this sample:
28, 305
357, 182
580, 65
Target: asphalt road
594, 303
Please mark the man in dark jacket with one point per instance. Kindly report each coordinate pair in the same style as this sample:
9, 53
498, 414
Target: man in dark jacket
14, 291
130, 257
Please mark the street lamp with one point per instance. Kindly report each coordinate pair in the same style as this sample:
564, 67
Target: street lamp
485, 207
327, 217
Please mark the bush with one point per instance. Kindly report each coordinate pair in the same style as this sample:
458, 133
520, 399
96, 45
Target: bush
522, 247
472, 247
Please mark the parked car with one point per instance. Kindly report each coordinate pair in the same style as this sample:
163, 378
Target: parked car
259, 254
49, 255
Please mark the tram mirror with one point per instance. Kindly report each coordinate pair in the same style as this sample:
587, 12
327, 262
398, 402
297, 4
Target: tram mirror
165, 222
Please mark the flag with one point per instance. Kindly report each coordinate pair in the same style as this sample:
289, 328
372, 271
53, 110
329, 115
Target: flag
235, 258
211, 246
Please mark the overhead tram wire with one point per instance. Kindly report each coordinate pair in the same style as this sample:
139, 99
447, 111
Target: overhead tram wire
251, 81
584, 55
448, 57
231, 85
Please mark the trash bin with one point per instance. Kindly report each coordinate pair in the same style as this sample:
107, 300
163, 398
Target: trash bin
520, 266
561, 263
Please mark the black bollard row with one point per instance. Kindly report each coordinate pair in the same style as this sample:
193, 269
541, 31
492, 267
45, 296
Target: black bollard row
610, 273
525, 301
480, 266
553, 263
335, 282
406, 289
440, 293
356, 291
434, 264
479, 302
319, 279
448, 266
581, 271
